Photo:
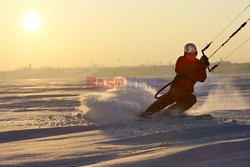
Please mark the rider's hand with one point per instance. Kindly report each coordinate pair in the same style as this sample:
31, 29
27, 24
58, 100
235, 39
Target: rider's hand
204, 61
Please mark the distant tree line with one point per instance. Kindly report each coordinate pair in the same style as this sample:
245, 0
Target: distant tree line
123, 71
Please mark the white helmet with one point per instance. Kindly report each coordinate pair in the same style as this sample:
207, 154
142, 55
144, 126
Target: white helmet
190, 48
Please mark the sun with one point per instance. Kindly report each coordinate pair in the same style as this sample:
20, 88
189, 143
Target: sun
31, 21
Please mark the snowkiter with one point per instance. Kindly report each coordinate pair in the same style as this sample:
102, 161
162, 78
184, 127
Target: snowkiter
180, 97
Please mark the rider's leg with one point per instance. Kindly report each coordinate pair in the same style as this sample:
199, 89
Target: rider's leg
184, 103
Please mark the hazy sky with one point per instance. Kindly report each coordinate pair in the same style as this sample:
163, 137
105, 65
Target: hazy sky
117, 32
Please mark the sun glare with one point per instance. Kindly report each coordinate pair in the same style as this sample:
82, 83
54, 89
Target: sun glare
31, 21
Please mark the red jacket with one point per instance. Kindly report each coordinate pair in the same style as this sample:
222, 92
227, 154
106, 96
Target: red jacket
188, 73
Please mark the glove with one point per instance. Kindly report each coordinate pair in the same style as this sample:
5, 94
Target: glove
204, 61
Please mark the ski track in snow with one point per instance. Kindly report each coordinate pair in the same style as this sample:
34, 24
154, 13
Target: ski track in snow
61, 123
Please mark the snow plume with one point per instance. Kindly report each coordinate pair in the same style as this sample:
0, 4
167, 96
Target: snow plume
224, 96
114, 106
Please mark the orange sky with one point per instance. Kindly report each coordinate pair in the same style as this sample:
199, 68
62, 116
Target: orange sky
80, 33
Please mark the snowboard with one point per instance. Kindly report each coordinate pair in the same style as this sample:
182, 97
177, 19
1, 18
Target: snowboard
202, 116
182, 116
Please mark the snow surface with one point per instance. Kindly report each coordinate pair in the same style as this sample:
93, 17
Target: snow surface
61, 123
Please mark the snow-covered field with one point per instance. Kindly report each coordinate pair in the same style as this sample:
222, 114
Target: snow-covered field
61, 123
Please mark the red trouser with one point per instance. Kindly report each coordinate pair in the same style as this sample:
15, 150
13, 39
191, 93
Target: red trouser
180, 99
